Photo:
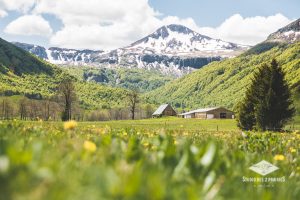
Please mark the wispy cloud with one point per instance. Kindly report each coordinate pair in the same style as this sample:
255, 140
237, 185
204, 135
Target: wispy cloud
107, 24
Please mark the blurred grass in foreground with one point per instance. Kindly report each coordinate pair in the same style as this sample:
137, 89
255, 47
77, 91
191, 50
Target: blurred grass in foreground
147, 159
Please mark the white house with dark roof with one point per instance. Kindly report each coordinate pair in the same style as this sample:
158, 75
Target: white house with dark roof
209, 113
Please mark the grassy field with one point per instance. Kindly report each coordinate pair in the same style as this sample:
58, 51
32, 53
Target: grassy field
179, 124
147, 159
171, 123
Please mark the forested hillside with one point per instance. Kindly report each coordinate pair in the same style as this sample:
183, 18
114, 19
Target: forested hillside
21, 73
141, 79
224, 83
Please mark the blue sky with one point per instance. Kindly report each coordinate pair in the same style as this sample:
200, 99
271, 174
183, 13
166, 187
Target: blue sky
214, 12
106, 24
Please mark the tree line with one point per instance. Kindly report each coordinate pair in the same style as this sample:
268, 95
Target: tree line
65, 106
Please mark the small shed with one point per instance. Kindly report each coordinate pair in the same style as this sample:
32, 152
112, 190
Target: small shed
164, 110
209, 113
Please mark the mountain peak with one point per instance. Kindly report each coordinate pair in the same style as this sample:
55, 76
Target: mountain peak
294, 26
289, 33
166, 30
178, 39
179, 28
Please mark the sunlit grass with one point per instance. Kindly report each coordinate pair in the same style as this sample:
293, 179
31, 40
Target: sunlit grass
147, 159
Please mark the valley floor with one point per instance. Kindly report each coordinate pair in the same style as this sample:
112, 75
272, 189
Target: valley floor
177, 124
170, 123
167, 158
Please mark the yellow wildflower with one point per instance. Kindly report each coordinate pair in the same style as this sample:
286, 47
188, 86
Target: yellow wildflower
181, 126
107, 129
154, 148
125, 133
146, 144
70, 125
89, 146
292, 150
279, 157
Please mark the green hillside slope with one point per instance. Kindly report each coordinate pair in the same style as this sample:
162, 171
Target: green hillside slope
143, 79
224, 83
24, 74
21, 62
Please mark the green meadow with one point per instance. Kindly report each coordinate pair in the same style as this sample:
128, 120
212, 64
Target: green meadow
167, 158
170, 123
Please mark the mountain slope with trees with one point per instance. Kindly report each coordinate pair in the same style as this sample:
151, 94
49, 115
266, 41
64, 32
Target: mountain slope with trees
144, 80
22, 73
224, 83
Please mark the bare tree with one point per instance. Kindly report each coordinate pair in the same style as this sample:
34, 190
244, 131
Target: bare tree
67, 91
23, 109
7, 109
133, 100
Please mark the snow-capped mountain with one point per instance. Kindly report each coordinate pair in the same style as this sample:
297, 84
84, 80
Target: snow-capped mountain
180, 40
172, 49
61, 55
289, 33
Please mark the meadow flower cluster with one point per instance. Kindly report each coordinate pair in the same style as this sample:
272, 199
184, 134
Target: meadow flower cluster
45, 160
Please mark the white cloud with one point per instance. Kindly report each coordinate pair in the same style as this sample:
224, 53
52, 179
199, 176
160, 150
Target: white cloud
250, 30
18, 5
100, 24
3, 13
29, 25
109, 24
89, 37
106, 24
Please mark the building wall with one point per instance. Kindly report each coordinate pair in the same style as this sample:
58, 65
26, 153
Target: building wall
200, 115
217, 112
214, 114
169, 111
189, 116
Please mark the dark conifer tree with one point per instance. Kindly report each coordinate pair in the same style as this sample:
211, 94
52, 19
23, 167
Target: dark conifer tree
246, 118
279, 99
249, 112
268, 103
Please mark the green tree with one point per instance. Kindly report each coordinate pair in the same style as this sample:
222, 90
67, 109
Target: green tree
268, 104
67, 92
133, 99
279, 99
245, 117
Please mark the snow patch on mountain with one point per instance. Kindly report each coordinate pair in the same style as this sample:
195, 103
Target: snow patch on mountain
172, 49
289, 33
178, 40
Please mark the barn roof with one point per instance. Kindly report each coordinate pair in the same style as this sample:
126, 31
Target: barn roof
160, 109
201, 110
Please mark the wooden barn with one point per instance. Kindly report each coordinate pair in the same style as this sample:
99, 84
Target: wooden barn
164, 110
209, 113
